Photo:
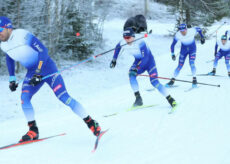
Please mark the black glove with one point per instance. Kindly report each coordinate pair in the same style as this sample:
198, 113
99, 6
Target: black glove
173, 57
13, 86
35, 80
113, 63
202, 40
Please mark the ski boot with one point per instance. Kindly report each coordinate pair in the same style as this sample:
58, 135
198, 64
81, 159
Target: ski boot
194, 82
171, 101
32, 134
138, 101
93, 125
213, 73
170, 84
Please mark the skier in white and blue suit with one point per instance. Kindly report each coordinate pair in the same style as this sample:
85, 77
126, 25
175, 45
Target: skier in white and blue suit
224, 51
188, 47
22, 46
144, 61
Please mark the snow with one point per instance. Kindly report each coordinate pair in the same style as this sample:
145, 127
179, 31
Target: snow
197, 133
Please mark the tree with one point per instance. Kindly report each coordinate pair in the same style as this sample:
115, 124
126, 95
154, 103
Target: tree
55, 23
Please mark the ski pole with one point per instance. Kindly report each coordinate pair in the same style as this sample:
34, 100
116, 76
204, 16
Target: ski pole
90, 58
165, 78
216, 29
93, 57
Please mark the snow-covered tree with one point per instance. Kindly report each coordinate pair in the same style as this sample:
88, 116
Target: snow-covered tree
56, 22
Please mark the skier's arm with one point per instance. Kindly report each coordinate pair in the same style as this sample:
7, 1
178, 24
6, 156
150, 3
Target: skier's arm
227, 32
173, 45
117, 51
216, 47
11, 68
42, 52
199, 30
115, 56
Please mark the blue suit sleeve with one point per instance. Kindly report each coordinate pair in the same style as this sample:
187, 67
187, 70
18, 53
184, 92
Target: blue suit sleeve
41, 49
173, 45
10, 65
117, 51
216, 47
199, 30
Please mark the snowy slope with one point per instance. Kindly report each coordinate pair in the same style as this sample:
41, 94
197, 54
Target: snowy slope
198, 133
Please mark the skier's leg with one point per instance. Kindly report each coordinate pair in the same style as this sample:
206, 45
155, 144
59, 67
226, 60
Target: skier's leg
27, 93
135, 86
180, 64
217, 58
227, 58
155, 82
192, 58
57, 84
182, 58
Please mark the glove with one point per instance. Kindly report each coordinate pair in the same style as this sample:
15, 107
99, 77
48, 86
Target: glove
133, 71
13, 86
173, 57
202, 40
215, 54
35, 80
113, 63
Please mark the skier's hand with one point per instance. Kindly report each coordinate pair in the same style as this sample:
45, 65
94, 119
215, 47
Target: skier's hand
35, 80
202, 40
215, 54
133, 71
13, 86
173, 57
113, 63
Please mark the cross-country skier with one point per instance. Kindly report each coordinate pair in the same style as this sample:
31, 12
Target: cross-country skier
22, 46
188, 47
224, 50
227, 33
144, 61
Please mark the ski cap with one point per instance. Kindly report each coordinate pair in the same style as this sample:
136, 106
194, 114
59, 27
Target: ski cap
5, 22
223, 37
128, 32
182, 27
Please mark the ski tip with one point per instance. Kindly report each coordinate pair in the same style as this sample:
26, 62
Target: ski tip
97, 140
173, 109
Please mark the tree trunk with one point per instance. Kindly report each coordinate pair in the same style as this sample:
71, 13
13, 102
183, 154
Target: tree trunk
146, 7
181, 18
18, 24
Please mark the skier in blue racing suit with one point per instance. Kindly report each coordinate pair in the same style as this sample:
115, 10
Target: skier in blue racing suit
224, 51
144, 61
22, 46
188, 47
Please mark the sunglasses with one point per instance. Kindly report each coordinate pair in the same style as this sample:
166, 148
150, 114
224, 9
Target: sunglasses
1, 29
127, 37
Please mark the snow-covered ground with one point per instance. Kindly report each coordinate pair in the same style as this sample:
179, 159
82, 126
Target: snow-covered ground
198, 133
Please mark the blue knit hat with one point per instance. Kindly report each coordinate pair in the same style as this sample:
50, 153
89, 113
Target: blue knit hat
5, 22
128, 32
182, 27
223, 37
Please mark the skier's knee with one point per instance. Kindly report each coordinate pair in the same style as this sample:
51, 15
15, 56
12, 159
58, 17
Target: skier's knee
25, 97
